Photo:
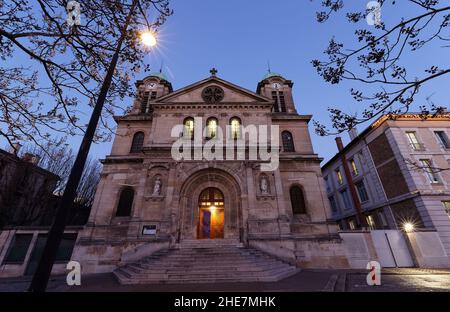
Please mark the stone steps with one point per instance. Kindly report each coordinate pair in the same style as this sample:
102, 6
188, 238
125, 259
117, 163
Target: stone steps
205, 261
180, 268
271, 276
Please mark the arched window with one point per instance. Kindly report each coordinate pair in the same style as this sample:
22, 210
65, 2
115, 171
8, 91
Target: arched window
235, 124
297, 200
288, 142
211, 197
138, 142
211, 127
188, 132
125, 202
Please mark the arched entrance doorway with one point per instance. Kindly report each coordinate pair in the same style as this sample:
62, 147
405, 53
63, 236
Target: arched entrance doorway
189, 202
211, 216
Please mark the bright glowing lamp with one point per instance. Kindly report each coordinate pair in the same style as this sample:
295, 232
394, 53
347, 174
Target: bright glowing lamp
408, 227
148, 38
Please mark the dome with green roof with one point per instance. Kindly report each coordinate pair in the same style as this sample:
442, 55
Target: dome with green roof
160, 75
272, 74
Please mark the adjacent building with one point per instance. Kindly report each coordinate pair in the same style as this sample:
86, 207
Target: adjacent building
400, 169
26, 191
27, 208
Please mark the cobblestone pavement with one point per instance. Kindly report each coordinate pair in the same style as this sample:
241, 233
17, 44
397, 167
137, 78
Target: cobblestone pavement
393, 280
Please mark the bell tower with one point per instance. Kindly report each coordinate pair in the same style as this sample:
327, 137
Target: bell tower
149, 89
279, 89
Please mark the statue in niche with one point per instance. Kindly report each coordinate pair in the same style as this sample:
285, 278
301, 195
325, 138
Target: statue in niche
264, 185
157, 187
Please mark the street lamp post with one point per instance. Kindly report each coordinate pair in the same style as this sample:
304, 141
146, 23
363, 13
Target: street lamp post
42, 274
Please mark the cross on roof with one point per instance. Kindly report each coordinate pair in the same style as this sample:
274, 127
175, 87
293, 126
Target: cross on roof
213, 71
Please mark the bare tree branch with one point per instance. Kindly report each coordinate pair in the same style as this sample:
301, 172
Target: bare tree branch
376, 61
66, 64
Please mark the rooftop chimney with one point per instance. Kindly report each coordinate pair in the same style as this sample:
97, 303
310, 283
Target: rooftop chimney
35, 159
28, 157
353, 133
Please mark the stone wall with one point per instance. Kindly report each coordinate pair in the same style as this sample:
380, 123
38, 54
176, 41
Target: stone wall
325, 252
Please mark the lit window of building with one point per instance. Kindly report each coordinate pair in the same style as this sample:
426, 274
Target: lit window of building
211, 128
189, 128
370, 222
447, 207
354, 167
235, 124
339, 176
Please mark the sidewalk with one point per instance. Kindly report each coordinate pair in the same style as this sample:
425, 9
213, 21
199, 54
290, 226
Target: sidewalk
393, 280
304, 281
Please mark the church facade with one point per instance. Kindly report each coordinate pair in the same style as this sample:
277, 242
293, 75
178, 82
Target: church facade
148, 200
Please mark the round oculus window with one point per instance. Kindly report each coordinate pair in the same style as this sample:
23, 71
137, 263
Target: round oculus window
213, 94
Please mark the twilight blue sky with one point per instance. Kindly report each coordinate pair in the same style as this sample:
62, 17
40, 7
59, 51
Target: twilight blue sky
239, 37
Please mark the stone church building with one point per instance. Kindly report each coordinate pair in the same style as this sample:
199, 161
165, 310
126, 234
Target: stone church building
151, 207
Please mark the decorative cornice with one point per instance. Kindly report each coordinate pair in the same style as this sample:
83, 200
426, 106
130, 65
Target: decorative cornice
140, 117
285, 116
219, 81
411, 116
376, 124
203, 106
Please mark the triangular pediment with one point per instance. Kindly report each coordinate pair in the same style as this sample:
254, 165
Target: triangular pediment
232, 93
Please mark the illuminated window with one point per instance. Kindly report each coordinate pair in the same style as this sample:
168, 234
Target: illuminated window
188, 132
339, 176
138, 142
370, 222
211, 196
447, 207
211, 128
354, 167
235, 124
